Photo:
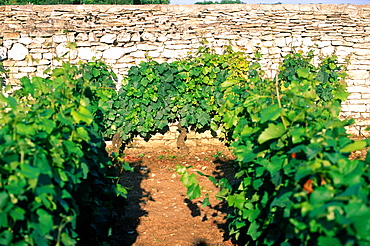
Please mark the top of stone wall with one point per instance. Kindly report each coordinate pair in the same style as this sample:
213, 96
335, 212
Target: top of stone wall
42, 20
351, 9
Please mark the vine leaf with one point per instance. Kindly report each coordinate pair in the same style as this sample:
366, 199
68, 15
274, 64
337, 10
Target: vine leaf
271, 132
303, 73
254, 230
82, 114
193, 191
270, 113
357, 145
204, 119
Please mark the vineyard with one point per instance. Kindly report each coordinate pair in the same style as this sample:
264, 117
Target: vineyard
292, 181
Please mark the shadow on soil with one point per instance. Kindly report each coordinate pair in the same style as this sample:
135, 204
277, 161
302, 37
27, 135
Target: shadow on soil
224, 169
124, 230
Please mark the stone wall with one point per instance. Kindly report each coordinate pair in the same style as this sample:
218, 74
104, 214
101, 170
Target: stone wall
31, 37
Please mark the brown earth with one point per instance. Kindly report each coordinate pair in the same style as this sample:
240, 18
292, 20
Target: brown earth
158, 211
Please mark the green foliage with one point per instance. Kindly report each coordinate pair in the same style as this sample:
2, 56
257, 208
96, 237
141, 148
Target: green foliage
101, 89
53, 163
296, 185
292, 152
154, 95
329, 75
187, 91
189, 181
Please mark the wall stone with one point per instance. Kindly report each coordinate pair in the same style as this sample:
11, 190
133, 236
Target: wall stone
32, 36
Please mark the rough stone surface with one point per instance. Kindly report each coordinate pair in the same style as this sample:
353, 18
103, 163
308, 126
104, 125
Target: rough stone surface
25, 40
124, 36
60, 38
87, 53
18, 52
114, 53
109, 38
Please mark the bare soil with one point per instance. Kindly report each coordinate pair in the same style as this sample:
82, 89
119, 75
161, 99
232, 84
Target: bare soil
158, 211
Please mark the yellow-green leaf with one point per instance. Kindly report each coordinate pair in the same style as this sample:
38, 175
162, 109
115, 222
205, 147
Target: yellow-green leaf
357, 145
82, 114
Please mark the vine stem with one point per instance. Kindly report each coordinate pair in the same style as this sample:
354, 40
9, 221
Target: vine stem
181, 138
278, 98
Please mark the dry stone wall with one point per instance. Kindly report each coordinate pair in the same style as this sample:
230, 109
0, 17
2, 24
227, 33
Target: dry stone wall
32, 37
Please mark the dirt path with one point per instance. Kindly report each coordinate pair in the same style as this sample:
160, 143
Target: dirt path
158, 211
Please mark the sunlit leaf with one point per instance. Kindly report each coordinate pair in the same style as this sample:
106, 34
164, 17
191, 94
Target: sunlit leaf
271, 132
193, 191
82, 115
356, 145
